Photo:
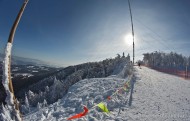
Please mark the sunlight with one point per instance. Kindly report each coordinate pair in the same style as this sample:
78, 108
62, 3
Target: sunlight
128, 39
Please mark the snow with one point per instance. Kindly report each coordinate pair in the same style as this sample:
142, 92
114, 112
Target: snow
88, 92
30, 67
5, 81
159, 97
10, 110
5, 114
23, 74
15, 69
156, 97
34, 71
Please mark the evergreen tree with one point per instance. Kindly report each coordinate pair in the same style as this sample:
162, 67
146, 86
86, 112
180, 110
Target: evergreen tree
27, 103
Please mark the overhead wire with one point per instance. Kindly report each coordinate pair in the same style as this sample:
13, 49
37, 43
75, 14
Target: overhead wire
162, 41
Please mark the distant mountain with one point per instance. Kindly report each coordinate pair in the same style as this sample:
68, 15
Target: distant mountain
1, 57
27, 61
26, 71
25, 75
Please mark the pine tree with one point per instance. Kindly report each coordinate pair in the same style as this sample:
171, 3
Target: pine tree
27, 103
39, 106
45, 103
123, 55
5, 114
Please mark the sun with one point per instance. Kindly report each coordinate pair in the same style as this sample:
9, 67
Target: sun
128, 39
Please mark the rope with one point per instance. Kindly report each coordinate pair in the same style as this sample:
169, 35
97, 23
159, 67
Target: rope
158, 37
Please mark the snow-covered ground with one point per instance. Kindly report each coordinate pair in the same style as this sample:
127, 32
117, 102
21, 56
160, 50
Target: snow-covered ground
159, 97
88, 92
156, 97
23, 74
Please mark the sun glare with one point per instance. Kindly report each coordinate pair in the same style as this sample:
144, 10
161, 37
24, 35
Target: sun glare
128, 39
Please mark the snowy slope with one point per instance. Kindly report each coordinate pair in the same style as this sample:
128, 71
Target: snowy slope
156, 97
159, 97
86, 92
64, 79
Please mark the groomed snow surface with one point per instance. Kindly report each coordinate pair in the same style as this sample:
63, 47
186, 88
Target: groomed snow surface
156, 97
159, 97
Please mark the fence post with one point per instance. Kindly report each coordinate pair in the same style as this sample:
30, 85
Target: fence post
186, 72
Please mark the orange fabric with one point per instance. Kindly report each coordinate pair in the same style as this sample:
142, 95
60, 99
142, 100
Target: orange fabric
120, 90
80, 114
126, 85
109, 98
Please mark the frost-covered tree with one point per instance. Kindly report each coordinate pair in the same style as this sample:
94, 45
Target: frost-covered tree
12, 108
44, 103
31, 95
39, 106
165, 60
26, 102
56, 86
118, 56
123, 55
27, 105
5, 114
46, 89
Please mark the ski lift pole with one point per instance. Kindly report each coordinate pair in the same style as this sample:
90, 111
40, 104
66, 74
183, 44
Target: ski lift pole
7, 65
132, 30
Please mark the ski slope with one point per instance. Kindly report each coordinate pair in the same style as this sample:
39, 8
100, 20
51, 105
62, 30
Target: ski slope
159, 97
156, 97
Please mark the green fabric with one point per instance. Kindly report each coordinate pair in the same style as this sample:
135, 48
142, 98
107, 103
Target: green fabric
103, 107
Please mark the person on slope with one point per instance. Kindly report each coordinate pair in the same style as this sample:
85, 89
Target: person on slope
139, 64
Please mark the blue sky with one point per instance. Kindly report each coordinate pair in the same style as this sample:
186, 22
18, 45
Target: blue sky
68, 32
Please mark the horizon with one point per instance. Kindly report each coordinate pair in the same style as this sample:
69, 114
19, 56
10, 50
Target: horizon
71, 32
57, 65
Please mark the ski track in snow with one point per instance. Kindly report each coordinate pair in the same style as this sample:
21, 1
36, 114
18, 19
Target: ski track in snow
159, 97
156, 97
